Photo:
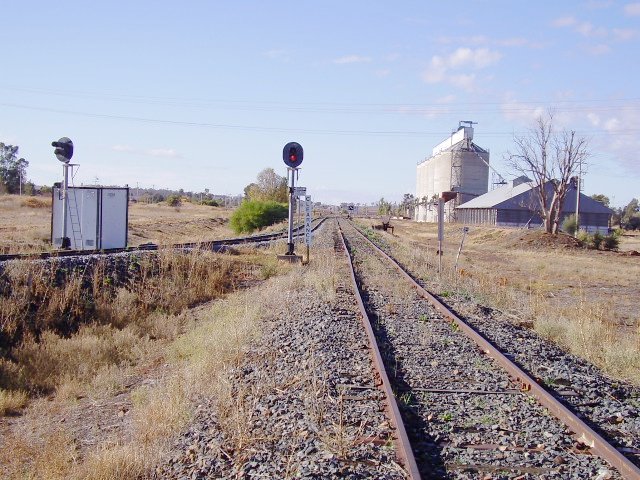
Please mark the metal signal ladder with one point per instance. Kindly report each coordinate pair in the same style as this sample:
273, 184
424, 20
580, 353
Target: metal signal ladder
76, 228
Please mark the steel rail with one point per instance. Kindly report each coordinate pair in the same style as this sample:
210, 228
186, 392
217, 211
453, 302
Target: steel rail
403, 445
584, 433
211, 245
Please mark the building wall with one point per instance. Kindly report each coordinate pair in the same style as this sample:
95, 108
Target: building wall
590, 222
475, 175
434, 176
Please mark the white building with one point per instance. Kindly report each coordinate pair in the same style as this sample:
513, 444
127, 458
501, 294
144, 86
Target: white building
456, 165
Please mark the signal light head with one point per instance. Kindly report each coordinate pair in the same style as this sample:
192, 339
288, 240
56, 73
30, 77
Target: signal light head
64, 149
292, 154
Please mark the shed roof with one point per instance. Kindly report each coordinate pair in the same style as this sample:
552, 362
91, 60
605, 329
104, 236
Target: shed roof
519, 195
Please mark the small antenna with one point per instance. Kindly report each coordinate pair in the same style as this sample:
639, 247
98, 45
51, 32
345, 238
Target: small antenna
468, 123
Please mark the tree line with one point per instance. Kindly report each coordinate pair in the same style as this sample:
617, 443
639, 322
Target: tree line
13, 171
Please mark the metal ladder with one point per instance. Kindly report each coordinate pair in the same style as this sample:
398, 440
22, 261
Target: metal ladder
76, 228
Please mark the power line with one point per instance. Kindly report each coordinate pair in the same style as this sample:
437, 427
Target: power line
254, 128
584, 105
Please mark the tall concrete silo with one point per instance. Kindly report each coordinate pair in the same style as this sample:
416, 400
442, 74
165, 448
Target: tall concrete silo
456, 165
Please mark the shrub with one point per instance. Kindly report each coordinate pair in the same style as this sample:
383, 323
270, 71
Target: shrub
584, 238
596, 240
210, 203
174, 200
33, 202
611, 242
254, 214
569, 225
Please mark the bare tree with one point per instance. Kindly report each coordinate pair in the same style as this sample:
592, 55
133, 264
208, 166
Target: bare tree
550, 159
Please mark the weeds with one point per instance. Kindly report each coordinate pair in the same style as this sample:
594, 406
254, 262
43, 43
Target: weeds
12, 401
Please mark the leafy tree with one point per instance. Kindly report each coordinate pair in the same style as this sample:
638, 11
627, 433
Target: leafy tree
254, 214
13, 170
630, 215
550, 158
630, 210
408, 205
603, 199
384, 207
174, 200
269, 186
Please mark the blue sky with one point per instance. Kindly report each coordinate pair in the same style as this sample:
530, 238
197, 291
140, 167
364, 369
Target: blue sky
199, 95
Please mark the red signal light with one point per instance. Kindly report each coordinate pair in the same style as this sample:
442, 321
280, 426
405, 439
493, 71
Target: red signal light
292, 154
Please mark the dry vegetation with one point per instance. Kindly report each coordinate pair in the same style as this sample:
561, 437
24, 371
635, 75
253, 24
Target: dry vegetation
124, 383
25, 223
584, 300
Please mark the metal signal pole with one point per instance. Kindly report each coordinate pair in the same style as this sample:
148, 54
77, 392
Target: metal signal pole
291, 200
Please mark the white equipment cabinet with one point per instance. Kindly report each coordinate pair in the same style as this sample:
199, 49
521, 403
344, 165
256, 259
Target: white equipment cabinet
97, 217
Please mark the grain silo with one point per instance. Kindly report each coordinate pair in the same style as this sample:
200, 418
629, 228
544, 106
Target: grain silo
457, 166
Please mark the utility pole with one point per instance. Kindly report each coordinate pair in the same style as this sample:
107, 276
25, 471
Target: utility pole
578, 199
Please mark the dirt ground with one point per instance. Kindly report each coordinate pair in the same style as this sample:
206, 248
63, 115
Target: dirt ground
533, 262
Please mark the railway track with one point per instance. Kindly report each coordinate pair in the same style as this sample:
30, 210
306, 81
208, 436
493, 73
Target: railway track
215, 245
467, 409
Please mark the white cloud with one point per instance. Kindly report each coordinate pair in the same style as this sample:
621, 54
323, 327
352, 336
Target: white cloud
162, 152
383, 73
466, 82
482, 40
597, 4
123, 148
586, 29
514, 42
593, 118
624, 34
461, 59
522, 113
632, 9
564, 22
620, 140
446, 99
150, 152
612, 124
277, 54
352, 59
599, 49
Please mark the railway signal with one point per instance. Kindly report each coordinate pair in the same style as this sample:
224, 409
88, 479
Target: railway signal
64, 152
292, 154
64, 149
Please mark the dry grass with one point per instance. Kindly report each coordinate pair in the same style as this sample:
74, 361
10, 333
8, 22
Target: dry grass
35, 297
12, 401
24, 228
582, 300
34, 202
53, 360
196, 349
25, 223
39, 452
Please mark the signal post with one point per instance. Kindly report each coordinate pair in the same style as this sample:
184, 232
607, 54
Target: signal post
292, 155
64, 152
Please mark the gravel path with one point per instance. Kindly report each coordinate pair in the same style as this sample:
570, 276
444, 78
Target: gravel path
464, 414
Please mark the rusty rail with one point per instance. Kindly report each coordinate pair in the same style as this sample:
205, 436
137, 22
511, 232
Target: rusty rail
584, 433
403, 446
